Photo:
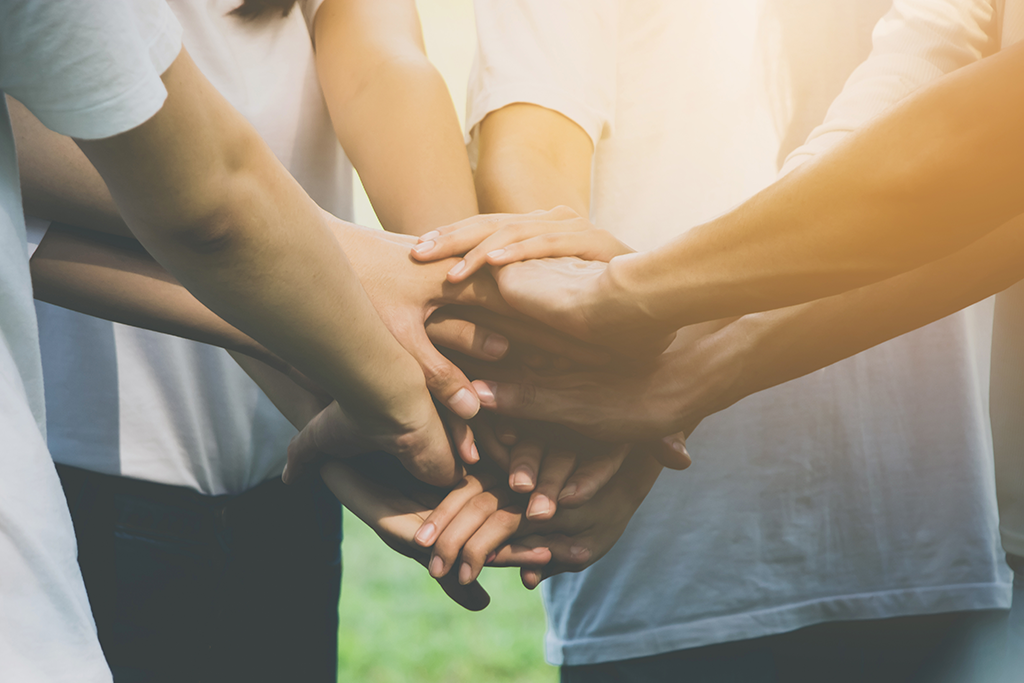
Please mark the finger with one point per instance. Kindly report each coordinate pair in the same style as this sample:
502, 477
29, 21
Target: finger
439, 518
457, 238
472, 596
517, 555
509, 233
555, 469
505, 431
527, 401
489, 444
330, 431
524, 464
465, 337
523, 333
671, 452
461, 528
591, 476
494, 532
445, 381
462, 439
589, 245
426, 453
571, 552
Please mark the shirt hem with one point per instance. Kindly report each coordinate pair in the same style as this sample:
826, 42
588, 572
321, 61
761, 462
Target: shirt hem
747, 625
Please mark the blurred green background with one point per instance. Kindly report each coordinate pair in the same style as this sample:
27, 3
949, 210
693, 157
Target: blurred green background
397, 625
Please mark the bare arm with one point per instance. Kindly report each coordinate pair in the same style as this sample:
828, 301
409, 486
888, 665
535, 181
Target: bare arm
205, 196
58, 183
940, 170
393, 114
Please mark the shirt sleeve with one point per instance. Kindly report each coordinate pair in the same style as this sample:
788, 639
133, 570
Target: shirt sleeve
557, 54
87, 69
917, 42
309, 9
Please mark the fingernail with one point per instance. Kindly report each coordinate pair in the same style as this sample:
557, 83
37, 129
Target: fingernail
484, 390
676, 445
464, 403
474, 454
425, 534
578, 552
465, 573
284, 474
496, 254
436, 568
457, 268
507, 437
424, 247
569, 490
490, 558
427, 236
540, 505
495, 345
522, 479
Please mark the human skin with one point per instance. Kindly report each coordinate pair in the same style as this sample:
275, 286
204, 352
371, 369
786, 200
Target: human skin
710, 367
937, 172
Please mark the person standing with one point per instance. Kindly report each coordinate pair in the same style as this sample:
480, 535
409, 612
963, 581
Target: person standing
803, 545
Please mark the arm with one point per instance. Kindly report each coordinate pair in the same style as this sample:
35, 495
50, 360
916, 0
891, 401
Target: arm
941, 169
710, 370
204, 195
938, 171
393, 114
57, 182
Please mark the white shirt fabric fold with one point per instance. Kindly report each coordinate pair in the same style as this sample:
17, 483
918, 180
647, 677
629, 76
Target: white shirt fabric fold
864, 490
89, 70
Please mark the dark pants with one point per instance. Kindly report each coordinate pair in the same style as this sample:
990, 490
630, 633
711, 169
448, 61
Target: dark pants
957, 647
187, 587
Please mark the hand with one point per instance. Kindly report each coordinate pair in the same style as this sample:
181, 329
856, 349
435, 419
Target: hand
666, 399
555, 465
489, 526
405, 294
500, 239
395, 517
585, 299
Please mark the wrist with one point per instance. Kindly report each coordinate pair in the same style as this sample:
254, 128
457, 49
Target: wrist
625, 291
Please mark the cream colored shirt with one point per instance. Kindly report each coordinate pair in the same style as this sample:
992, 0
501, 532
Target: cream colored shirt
863, 490
917, 42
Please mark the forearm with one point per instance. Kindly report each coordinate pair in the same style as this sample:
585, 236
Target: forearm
57, 181
937, 172
122, 283
392, 114
227, 220
767, 349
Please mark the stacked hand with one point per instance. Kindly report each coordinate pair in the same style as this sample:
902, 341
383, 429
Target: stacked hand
556, 267
542, 497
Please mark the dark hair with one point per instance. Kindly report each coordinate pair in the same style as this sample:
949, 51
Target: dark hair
257, 9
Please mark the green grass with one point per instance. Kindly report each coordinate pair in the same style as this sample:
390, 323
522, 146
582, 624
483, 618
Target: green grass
398, 626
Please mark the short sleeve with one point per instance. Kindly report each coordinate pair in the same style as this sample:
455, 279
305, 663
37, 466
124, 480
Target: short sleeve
558, 54
309, 9
87, 69
917, 42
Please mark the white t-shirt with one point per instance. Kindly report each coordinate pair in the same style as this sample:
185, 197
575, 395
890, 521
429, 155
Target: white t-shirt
136, 403
90, 71
917, 42
863, 490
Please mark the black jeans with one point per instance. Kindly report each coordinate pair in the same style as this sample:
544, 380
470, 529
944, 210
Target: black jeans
954, 647
187, 587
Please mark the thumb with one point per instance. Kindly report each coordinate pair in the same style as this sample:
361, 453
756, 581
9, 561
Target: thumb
446, 382
328, 433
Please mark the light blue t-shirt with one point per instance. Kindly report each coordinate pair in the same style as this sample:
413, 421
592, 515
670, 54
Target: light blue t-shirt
90, 70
